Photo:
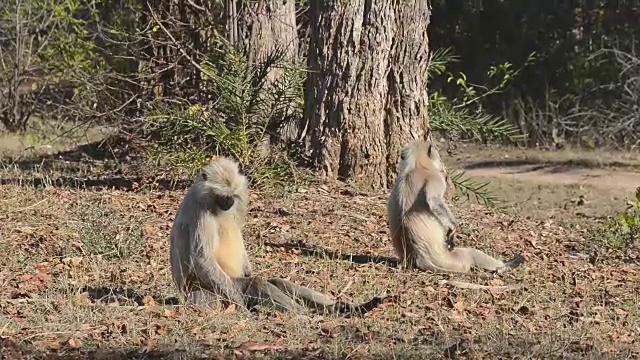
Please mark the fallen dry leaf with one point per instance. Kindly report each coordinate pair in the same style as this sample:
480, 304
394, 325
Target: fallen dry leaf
149, 301
257, 346
74, 343
52, 344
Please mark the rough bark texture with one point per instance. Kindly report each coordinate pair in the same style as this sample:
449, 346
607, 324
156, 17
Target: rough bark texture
269, 27
366, 95
406, 108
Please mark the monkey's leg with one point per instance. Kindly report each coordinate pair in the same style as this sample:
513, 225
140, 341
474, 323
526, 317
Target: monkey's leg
484, 261
260, 292
207, 299
311, 298
321, 303
451, 261
212, 278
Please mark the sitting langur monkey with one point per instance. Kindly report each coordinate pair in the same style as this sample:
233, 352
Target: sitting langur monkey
208, 257
421, 224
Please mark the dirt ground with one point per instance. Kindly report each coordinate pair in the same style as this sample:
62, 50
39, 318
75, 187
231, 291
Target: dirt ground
85, 271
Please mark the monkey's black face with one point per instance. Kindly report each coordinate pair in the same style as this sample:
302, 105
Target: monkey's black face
224, 202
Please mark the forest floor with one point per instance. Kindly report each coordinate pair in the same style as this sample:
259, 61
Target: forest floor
85, 269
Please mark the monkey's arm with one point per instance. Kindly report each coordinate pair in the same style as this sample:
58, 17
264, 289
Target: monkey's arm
246, 265
215, 280
441, 211
211, 275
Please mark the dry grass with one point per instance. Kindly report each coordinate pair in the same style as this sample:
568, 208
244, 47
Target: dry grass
65, 248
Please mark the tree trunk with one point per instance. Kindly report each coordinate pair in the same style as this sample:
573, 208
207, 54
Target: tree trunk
366, 96
269, 28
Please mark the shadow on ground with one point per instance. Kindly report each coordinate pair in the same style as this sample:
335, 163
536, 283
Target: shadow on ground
116, 159
558, 172
26, 352
10, 354
118, 183
122, 295
113, 148
518, 347
545, 163
322, 253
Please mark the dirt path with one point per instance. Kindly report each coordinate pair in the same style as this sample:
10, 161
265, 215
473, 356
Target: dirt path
602, 170
561, 175
562, 185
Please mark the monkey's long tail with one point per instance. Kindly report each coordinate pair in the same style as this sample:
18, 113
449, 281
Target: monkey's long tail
349, 310
466, 285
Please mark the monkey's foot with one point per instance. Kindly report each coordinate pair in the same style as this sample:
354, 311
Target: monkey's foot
513, 263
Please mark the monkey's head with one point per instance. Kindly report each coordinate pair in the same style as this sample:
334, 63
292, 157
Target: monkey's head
221, 185
419, 153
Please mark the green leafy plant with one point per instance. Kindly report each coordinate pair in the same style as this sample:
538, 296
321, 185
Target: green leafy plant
624, 230
478, 190
248, 106
49, 61
465, 113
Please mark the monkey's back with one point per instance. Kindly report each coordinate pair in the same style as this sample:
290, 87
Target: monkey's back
183, 228
415, 232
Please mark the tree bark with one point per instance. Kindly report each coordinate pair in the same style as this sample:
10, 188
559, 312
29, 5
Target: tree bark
366, 94
271, 26
268, 28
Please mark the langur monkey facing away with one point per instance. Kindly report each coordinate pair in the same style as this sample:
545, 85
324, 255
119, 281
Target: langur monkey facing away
421, 224
208, 257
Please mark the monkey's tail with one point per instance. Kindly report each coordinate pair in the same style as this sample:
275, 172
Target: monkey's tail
466, 285
350, 310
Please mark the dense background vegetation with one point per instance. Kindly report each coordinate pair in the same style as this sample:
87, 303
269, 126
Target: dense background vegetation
582, 85
557, 71
108, 107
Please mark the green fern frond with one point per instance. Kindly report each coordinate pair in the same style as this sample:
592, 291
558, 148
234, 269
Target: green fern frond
439, 60
444, 117
477, 189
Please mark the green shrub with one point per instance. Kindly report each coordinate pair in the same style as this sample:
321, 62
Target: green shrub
50, 63
247, 110
464, 113
624, 230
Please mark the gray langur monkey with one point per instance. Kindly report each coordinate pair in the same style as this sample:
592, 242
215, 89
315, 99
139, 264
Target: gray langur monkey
208, 257
421, 224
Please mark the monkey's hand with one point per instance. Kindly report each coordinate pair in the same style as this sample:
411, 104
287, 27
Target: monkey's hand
451, 237
246, 266
441, 211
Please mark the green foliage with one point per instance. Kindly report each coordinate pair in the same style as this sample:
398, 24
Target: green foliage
445, 117
49, 42
464, 113
571, 95
248, 107
623, 231
475, 189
